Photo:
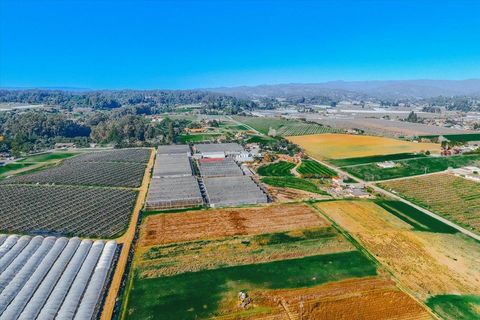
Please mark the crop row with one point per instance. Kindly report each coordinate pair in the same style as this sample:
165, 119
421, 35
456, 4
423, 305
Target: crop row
137, 155
110, 174
313, 169
94, 212
453, 197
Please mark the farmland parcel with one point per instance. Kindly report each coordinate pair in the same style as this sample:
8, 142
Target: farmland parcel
428, 264
292, 263
338, 146
454, 198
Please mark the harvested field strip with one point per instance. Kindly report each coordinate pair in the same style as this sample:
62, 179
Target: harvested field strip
425, 263
412, 167
199, 294
281, 169
417, 219
339, 146
453, 307
200, 255
454, 198
294, 183
211, 224
381, 158
371, 298
313, 169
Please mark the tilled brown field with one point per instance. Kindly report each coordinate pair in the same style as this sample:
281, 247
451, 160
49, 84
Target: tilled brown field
211, 224
373, 298
426, 263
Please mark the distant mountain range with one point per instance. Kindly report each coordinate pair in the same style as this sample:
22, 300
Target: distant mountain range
392, 89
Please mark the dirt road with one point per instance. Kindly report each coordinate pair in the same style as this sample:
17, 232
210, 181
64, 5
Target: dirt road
126, 239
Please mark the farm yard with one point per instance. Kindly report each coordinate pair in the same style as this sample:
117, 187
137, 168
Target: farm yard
65, 210
427, 263
284, 127
411, 167
339, 146
452, 197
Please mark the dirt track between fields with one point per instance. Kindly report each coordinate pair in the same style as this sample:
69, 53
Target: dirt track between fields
126, 240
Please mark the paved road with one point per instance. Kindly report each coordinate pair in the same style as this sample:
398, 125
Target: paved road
396, 197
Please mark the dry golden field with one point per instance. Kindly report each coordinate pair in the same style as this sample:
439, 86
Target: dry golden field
455, 198
338, 146
424, 262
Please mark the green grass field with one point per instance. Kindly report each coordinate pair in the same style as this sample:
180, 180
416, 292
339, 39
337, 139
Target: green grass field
454, 307
412, 167
195, 295
6, 169
456, 137
417, 219
313, 169
277, 169
264, 140
186, 138
382, 158
45, 157
294, 183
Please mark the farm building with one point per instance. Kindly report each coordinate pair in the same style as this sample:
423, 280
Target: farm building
43, 278
175, 192
174, 149
172, 165
214, 150
173, 185
219, 167
233, 191
386, 164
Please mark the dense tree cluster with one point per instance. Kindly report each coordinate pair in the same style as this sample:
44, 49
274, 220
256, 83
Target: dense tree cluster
152, 100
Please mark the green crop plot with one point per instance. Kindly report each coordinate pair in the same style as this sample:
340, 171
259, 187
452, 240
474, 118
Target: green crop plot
45, 157
285, 127
294, 183
263, 140
313, 169
370, 159
453, 307
417, 219
8, 168
186, 138
412, 167
278, 169
456, 137
195, 295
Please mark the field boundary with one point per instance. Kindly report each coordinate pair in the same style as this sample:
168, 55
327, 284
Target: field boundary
126, 239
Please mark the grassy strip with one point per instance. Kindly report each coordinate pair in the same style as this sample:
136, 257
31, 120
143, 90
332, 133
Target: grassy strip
412, 167
294, 183
4, 170
452, 307
186, 138
45, 157
370, 159
277, 169
456, 137
313, 169
198, 295
417, 219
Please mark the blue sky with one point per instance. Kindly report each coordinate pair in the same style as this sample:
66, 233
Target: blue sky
191, 44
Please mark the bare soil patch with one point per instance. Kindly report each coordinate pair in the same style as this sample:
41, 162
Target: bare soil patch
219, 223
